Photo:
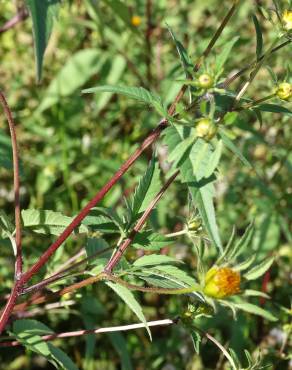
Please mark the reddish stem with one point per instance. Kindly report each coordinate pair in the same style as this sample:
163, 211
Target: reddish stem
84, 212
19, 17
121, 250
16, 185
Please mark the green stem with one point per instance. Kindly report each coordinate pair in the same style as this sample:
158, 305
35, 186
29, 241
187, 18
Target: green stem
256, 102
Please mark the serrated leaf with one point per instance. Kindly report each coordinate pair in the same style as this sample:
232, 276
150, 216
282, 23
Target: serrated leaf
259, 269
104, 219
94, 246
29, 333
47, 222
223, 56
79, 68
137, 93
233, 148
127, 296
214, 159
43, 14
154, 259
183, 55
259, 45
149, 185
151, 241
192, 168
251, 308
274, 108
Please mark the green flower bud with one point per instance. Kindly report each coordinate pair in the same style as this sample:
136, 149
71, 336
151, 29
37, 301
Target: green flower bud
206, 129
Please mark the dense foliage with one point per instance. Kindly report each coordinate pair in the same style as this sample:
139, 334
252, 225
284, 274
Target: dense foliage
194, 230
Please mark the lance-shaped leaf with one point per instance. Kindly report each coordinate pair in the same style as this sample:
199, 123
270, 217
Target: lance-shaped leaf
259, 269
259, 46
128, 297
43, 13
47, 222
252, 308
137, 93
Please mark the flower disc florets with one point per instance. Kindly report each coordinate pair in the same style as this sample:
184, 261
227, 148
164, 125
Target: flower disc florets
221, 282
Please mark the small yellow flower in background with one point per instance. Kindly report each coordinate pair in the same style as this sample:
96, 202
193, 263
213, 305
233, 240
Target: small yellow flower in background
136, 20
221, 282
287, 19
284, 91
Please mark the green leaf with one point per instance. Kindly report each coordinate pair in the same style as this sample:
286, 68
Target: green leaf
47, 222
104, 219
196, 340
61, 358
233, 148
94, 246
120, 345
214, 159
43, 14
151, 241
137, 93
5, 151
6, 226
127, 296
259, 46
245, 264
243, 242
223, 56
274, 108
192, 166
29, 333
183, 55
149, 185
251, 308
255, 293
259, 269
79, 68
154, 259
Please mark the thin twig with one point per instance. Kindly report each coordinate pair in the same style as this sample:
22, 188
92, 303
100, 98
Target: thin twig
19, 17
121, 250
79, 333
16, 185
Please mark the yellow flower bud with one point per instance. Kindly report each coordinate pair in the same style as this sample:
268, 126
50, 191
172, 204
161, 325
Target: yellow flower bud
205, 81
221, 282
287, 19
136, 20
284, 91
206, 129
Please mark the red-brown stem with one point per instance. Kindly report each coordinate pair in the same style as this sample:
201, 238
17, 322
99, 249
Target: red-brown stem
78, 219
121, 250
62, 273
84, 212
18, 257
19, 17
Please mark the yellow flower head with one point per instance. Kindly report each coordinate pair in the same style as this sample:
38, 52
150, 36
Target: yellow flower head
287, 19
136, 20
284, 91
221, 282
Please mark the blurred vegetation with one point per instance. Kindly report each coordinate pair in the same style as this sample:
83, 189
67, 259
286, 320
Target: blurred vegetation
70, 145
